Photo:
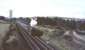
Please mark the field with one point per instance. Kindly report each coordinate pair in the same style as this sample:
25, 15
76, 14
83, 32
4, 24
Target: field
4, 28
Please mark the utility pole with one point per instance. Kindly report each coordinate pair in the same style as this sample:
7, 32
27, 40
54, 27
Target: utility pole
10, 15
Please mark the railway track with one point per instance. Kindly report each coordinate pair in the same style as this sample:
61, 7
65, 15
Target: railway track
35, 43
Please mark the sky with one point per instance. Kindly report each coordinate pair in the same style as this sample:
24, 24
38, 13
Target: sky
29, 8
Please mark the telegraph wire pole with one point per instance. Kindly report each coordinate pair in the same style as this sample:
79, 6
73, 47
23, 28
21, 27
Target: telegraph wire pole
10, 15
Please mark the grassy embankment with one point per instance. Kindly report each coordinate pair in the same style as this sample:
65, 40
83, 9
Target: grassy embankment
54, 37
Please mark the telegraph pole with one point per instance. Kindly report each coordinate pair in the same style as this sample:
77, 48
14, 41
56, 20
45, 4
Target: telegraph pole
10, 15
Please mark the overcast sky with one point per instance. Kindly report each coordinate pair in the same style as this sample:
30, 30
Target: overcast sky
62, 8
